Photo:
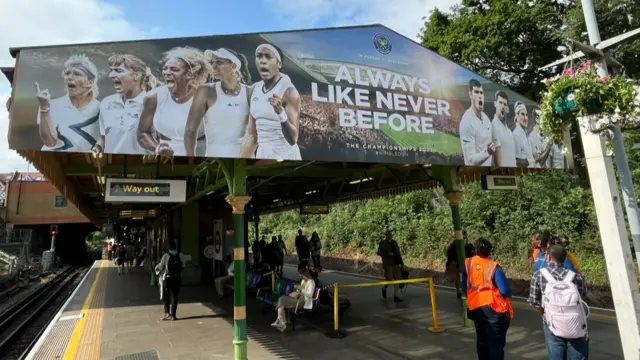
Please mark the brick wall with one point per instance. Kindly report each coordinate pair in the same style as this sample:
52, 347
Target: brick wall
37, 205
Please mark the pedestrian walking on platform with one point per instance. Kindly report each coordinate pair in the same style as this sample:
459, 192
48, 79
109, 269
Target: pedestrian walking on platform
392, 263
452, 268
316, 248
170, 271
121, 255
302, 248
131, 255
110, 251
488, 295
283, 249
556, 293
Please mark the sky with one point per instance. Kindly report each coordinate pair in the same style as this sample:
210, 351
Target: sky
51, 22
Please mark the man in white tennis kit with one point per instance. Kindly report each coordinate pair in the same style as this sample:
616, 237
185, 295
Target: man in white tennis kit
501, 135
540, 147
475, 130
524, 155
556, 156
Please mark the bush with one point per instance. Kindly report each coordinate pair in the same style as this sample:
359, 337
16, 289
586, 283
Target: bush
421, 223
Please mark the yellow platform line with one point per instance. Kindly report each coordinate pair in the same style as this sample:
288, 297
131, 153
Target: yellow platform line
86, 345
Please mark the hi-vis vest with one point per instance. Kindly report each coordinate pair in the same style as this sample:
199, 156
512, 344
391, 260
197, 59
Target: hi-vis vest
480, 288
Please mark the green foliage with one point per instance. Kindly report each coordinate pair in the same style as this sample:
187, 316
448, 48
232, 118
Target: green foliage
612, 97
95, 241
615, 17
421, 222
507, 41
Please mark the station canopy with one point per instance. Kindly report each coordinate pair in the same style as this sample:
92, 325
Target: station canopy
368, 112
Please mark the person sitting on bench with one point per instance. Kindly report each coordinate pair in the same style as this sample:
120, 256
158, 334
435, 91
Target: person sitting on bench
301, 296
221, 281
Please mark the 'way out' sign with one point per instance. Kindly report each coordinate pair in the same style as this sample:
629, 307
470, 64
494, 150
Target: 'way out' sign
142, 190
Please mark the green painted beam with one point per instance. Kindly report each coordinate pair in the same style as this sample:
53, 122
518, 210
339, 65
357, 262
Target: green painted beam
165, 170
204, 192
279, 169
316, 171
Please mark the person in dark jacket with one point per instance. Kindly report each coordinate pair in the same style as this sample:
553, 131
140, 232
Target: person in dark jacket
452, 268
257, 255
392, 263
302, 248
264, 253
276, 256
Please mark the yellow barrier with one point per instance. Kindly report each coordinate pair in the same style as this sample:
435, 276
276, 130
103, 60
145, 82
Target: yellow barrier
273, 279
336, 288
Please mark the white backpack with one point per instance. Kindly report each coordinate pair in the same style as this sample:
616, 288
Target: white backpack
564, 310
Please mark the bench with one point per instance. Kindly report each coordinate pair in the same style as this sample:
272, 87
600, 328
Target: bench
270, 297
284, 287
301, 311
253, 282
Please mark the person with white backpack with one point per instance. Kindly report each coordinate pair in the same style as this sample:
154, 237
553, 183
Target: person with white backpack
556, 293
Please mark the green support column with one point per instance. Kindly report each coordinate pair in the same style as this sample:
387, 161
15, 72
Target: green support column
448, 175
238, 200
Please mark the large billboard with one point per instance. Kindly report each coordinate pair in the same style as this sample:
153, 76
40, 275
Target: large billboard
362, 94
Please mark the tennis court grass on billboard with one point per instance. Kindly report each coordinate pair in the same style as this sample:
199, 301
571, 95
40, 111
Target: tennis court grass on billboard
364, 94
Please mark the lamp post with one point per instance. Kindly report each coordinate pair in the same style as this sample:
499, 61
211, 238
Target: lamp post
613, 233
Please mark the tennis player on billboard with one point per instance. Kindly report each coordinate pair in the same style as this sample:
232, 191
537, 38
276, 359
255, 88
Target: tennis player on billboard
272, 132
505, 155
524, 155
540, 145
120, 112
166, 108
223, 106
475, 130
70, 122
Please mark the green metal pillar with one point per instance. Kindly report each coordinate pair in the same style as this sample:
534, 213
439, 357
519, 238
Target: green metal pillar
238, 200
448, 175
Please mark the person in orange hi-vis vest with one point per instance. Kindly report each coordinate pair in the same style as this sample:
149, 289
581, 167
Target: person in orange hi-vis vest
488, 294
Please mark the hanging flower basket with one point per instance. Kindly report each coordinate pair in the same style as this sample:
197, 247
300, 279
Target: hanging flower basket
584, 91
566, 105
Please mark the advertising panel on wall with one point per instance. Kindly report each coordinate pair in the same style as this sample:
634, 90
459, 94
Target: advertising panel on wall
356, 94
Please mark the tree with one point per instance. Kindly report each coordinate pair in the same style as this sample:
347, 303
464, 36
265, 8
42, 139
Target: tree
615, 17
507, 41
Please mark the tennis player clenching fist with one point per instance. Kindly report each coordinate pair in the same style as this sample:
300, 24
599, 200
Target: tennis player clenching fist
272, 132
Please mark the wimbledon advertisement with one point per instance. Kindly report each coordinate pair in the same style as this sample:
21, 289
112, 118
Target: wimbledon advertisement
361, 94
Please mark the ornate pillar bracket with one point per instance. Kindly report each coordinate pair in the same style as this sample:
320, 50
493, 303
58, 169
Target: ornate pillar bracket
454, 197
238, 202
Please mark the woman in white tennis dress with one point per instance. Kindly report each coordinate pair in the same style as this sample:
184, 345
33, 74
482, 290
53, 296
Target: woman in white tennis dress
272, 132
166, 108
222, 106
70, 122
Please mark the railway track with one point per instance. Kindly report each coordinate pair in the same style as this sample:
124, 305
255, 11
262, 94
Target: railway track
24, 322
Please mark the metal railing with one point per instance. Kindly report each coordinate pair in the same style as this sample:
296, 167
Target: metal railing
10, 260
339, 333
15, 236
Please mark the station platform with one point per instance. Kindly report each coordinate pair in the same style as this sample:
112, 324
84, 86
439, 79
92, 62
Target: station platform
113, 316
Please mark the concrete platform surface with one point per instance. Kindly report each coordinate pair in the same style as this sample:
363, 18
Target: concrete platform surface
115, 316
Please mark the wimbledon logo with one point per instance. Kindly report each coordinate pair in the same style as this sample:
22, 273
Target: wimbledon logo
382, 43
